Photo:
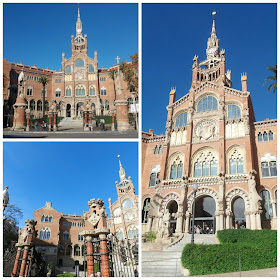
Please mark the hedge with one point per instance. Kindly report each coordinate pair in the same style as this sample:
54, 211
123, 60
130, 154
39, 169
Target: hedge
257, 250
66, 274
107, 119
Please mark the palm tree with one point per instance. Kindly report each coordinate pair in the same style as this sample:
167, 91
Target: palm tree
272, 78
43, 80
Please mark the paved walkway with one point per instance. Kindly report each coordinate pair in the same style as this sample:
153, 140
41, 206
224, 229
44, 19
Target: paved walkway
268, 272
71, 134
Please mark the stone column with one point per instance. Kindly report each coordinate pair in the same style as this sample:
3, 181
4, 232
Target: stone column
105, 269
217, 223
16, 264
90, 262
86, 120
228, 215
149, 225
50, 121
274, 208
113, 121
221, 221
253, 221
27, 264
27, 111
24, 261
54, 121
248, 220
90, 119
187, 222
179, 227
258, 220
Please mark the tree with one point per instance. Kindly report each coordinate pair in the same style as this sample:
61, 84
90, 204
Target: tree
130, 73
43, 80
272, 78
12, 215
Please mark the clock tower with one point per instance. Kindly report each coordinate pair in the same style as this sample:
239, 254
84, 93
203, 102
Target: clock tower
79, 43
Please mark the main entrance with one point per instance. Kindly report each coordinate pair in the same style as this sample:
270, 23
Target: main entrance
173, 209
204, 222
68, 110
238, 209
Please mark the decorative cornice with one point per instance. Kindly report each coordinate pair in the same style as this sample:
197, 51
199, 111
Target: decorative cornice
236, 92
205, 85
265, 123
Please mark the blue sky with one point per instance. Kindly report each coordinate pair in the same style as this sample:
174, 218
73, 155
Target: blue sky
65, 173
39, 33
174, 33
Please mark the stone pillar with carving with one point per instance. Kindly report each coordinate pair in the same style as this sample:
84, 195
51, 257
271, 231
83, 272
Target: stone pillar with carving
55, 121
179, 226
96, 226
150, 222
228, 219
248, 220
255, 201
25, 242
113, 122
20, 105
27, 112
221, 204
187, 222
50, 120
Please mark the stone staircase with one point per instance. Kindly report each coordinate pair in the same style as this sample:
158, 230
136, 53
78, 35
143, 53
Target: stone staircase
69, 122
168, 262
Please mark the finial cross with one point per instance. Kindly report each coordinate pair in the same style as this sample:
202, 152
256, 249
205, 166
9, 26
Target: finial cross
118, 59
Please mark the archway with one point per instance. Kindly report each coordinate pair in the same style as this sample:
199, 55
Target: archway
79, 109
172, 206
238, 209
68, 110
204, 222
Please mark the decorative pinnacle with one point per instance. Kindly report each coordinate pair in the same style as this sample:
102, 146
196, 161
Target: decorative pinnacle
213, 32
118, 60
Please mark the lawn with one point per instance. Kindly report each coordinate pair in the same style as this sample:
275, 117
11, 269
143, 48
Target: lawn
252, 249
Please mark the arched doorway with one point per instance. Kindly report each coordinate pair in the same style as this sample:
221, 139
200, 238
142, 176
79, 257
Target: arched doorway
68, 110
172, 206
238, 209
204, 222
79, 109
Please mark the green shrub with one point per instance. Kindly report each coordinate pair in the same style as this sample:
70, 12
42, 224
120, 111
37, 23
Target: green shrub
257, 250
66, 274
150, 236
107, 119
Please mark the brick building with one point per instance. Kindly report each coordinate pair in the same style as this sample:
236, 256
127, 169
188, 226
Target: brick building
79, 79
59, 236
211, 141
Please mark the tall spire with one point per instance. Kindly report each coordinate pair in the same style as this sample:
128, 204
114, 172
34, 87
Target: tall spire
213, 32
121, 171
79, 27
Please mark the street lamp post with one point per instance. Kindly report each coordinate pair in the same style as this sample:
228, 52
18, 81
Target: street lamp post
195, 187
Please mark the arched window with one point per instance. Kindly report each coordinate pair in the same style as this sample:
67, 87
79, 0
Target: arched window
181, 120
58, 92
47, 106
153, 179
269, 169
233, 112
39, 105
132, 232
79, 63
42, 92
236, 163
80, 90
102, 105
119, 234
265, 137
65, 235
45, 234
207, 103
270, 135
61, 249
145, 210
130, 101
90, 68
107, 107
160, 149
117, 216
92, 90
43, 218
156, 150
103, 91
29, 91
32, 105
69, 250
80, 236
68, 91
68, 69
77, 250
205, 165
260, 137
92, 105
46, 219
127, 203
266, 204
176, 170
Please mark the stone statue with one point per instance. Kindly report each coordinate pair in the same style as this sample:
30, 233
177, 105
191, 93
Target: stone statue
253, 194
21, 77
